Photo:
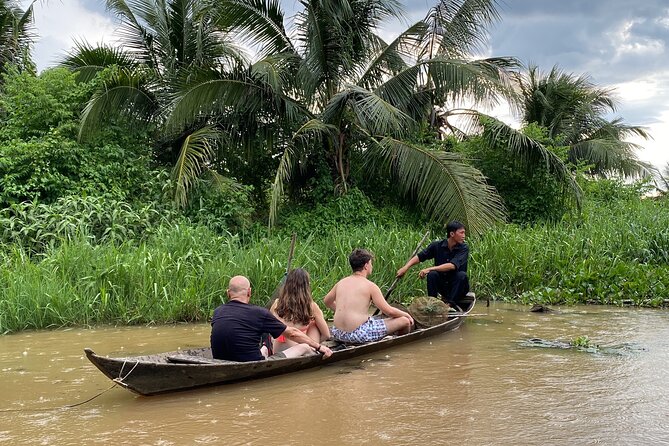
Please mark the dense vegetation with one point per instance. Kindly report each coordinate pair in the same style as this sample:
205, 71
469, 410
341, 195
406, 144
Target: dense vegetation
123, 201
615, 252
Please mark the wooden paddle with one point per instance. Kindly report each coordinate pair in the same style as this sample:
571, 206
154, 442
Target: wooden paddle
291, 251
266, 338
397, 279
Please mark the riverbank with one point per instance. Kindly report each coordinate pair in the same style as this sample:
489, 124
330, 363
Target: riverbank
614, 253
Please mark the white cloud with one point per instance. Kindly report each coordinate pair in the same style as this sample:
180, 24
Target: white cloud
637, 61
59, 23
656, 150
638, 90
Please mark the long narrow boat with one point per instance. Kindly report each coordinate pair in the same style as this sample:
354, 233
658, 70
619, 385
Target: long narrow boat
188, 369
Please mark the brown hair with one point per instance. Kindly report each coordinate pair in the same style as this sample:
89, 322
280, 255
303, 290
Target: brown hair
294, 302
358, 259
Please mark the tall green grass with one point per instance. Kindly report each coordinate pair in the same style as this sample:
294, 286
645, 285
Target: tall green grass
179, 274
616, 253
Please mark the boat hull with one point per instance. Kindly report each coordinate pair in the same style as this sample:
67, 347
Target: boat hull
165, 372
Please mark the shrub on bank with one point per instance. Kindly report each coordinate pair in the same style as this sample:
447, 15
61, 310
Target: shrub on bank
37, 226
617, 252
614, 253
179, 273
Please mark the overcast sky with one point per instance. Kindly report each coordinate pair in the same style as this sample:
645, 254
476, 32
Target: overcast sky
619, 43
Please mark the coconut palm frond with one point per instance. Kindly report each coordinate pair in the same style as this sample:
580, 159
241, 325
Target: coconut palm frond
16, 34
609, 155
276, 71
460, 122
663, 179
314, 127
529, 153
259, 23
126, 93
87, 60
222, 95
456, 28
483, 81
389, 60
339, 39
602, 145
197, 152
282, 177
134, 31
372, 112
441, 183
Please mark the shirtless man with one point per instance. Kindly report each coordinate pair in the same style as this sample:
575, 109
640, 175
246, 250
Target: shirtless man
350, 299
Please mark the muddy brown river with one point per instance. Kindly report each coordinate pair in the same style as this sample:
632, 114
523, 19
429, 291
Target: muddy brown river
483, 384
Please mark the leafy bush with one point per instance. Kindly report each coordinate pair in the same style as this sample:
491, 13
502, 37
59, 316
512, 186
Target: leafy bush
35, 226
53, 167
32, 106
223, 207
529, 195
40, 158
350, 210
614, 190
614, 253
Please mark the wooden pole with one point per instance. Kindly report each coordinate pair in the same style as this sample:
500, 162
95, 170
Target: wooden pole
397, 279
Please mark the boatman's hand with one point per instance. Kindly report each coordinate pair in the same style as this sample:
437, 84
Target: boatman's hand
400, 272
423, 273
325, 351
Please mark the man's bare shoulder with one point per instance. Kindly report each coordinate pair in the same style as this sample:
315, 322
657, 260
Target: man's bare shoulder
371, 284
346, 280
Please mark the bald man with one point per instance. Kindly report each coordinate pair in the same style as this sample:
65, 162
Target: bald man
237, 328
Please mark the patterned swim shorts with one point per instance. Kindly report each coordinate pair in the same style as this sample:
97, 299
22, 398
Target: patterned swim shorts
372, 330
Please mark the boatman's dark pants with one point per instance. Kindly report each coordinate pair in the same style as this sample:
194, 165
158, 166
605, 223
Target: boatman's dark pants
452, 285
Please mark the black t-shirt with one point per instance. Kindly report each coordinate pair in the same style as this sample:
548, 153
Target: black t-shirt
236, 329
439, 251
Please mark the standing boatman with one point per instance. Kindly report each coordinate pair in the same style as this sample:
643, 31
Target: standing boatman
448, 276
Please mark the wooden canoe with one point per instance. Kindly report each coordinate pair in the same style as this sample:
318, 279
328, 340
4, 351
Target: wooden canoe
188, 369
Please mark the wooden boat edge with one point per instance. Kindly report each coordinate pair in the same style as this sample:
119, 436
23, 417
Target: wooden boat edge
301, 363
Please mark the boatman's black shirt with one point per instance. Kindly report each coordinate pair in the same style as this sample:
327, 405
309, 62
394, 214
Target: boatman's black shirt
441, 254
236, 329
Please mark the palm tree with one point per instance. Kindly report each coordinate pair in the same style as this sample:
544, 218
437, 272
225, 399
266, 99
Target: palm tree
16, 35
329, 89
573, 110
165, 45
343, 94
662, 180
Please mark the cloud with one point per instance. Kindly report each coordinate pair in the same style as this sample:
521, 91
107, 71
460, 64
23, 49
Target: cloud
619, 43
59, 24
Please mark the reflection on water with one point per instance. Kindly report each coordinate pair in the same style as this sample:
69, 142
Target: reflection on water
477, 385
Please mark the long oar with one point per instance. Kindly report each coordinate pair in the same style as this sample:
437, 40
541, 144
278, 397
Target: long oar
266, 338
291, 251
397, 279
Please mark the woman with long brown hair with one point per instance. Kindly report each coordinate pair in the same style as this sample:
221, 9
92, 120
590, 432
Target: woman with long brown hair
295, 307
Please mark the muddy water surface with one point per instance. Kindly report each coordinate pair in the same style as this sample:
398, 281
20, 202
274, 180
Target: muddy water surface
478, 385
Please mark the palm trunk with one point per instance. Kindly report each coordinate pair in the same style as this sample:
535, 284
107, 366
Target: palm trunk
340, 162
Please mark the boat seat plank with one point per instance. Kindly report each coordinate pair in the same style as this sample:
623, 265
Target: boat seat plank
191, 359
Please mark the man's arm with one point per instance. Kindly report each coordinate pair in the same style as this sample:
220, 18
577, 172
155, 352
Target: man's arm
296, 335
380, 302
330, 299
412, 261
439, 268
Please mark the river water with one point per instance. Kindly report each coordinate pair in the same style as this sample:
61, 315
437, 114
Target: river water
481, 385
